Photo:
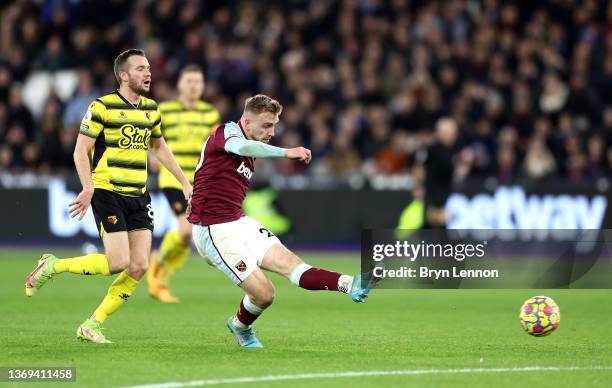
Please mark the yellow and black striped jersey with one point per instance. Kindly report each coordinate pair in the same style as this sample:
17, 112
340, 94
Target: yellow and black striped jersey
122, 132
185, 131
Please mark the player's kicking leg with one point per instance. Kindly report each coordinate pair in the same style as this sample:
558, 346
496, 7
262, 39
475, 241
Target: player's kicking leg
49, 266
282, 261
110, 218
237, 249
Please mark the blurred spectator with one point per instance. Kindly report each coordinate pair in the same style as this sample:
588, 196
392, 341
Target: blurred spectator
506, 164
343, 160
6, 157
16, 139
77, 106
606, 127
596, 160
554, 94
5, 82
19, 115
51, 151
320, 138
3, 121
31, 156
67, 140
85, 47
373, 136
582, 101
393, 158
482, 145
539, 162
54, 56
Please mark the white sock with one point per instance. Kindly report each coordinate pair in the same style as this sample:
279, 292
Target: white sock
345, 283
297, 272
239, 325
250, 307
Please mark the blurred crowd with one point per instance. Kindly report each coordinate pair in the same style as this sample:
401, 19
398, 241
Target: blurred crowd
363, 82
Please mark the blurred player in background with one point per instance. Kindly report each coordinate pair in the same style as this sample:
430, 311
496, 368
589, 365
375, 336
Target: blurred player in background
237, 245
441, 164
111, 160
186, 124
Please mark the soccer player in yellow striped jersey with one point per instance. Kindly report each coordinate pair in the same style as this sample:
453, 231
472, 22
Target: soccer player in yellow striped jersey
186, 123
111, 160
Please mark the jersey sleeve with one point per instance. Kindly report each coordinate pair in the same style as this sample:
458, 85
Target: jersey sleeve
252, 148
93, 120
156, 130
232, 130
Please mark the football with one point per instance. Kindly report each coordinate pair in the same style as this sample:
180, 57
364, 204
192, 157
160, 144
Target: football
539, 316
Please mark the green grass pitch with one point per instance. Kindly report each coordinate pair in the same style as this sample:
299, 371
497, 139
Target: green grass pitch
303, 332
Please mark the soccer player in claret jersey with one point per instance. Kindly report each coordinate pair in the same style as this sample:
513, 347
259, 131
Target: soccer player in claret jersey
237, 245
111, 160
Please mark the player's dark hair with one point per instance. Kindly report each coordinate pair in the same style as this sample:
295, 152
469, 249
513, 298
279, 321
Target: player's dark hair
121, 60
262, 103
191, 69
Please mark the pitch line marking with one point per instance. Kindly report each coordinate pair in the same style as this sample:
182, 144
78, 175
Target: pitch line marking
308, 376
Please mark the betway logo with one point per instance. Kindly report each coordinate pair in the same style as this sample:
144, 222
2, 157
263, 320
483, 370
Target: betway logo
536, 216
244, 170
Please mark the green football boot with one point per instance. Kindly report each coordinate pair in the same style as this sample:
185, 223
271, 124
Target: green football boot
91, 330
41, 274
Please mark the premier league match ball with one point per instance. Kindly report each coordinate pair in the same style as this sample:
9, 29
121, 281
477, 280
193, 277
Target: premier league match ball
539, 316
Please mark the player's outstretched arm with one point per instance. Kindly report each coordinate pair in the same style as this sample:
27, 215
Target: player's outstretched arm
82, 150
164, 155
257, 149
299, 153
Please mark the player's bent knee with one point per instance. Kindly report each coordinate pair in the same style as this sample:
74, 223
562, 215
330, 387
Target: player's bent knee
138, 268
118, 263
265, 298
137, 271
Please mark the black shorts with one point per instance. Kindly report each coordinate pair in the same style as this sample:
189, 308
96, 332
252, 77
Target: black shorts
176, 200
119, 213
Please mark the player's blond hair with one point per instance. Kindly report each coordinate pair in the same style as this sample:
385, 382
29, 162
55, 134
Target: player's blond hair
262, 103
